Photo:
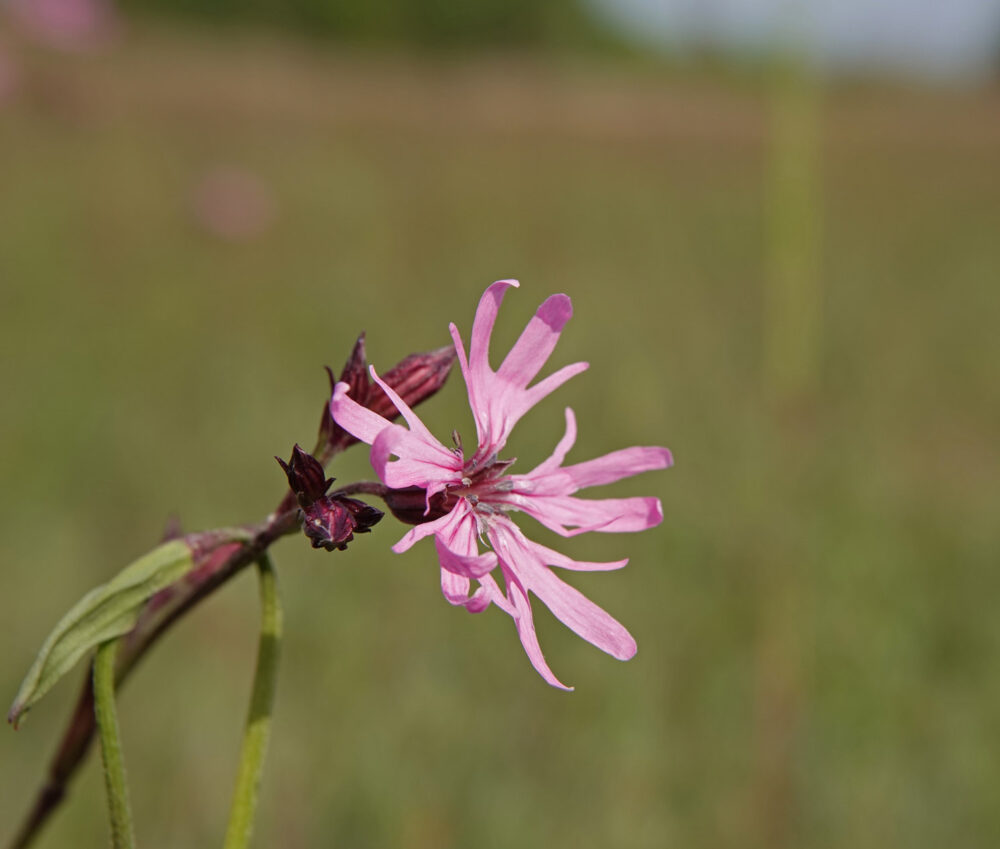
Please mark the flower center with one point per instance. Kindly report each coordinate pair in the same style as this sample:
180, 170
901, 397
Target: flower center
483, 480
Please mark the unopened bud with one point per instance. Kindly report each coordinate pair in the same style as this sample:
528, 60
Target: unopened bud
332, 437
306, 476
415, 379
330, 521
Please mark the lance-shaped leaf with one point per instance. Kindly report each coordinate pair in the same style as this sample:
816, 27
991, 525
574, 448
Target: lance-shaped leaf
106, 612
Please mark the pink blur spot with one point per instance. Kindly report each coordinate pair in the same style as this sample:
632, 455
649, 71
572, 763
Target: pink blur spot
233, 204
74, 25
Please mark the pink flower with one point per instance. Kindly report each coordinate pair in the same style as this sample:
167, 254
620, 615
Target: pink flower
482, 493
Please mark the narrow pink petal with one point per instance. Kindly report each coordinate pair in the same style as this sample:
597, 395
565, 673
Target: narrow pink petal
617, 465
492, 593
568, 605
506, 403
545, 387
482, 326
455, 588
607, 515
462, 533
419, 532
421, 462
351, 416
481, 382
459, 537
526, 631
562, 449
412, 419
537, 341
479, 411
557, 558
463, 362
469, 566
581, 615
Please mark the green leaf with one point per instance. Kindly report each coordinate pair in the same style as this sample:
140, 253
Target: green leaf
102, 614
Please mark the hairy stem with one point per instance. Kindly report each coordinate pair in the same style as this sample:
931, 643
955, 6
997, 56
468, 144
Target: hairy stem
119, 813
258, 725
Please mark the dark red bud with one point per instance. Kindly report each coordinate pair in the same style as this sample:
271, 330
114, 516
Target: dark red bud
306, 476
355, 371
415, 379
332, 437
410, 505
332, 521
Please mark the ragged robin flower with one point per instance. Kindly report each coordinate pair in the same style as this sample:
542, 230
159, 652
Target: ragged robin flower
480, 493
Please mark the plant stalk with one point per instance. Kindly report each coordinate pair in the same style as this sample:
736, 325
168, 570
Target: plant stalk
119, 812
162, 612
258, 726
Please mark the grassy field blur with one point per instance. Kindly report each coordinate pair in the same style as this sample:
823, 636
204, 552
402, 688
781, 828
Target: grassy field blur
818, 649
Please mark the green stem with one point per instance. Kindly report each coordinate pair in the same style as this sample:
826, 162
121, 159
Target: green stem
122, 835
258, 726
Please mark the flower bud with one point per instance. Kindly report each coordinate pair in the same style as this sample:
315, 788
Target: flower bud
330, 521
415, 379
306, 476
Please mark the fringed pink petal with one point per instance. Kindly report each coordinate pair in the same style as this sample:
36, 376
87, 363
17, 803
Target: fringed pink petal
482, 327
505, 404
421, 462
358, 421
490, 592
562, 449
583, 617
457, 539
537, 341
549, 385
469, 566
499, 399
568, 605
547, 479
462, 533
557, 558
570, 516
411, 418
419, 532
525, 625
617, 465
455, 588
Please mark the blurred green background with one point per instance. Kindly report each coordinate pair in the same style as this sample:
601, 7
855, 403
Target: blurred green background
791, 283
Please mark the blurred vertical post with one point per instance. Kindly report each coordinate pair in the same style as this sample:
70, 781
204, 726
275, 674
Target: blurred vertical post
792, 298
790, 366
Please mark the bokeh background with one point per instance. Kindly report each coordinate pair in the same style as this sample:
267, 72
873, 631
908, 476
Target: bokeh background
779, 227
